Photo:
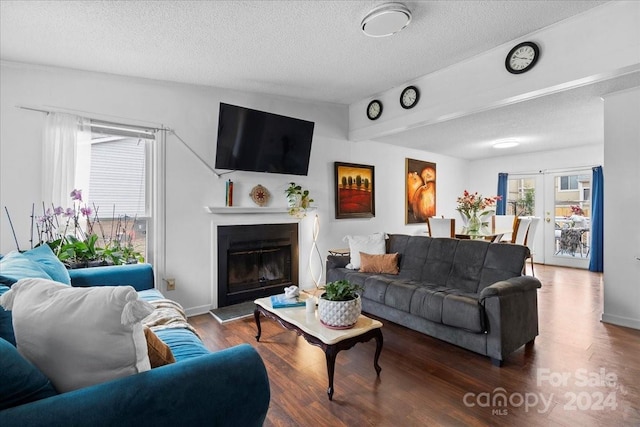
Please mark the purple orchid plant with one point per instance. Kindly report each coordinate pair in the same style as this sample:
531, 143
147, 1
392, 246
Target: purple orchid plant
70, 234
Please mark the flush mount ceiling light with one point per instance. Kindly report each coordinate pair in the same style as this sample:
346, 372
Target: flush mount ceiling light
506, 143
385, 20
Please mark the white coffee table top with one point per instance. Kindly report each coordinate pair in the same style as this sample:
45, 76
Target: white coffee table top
309, 322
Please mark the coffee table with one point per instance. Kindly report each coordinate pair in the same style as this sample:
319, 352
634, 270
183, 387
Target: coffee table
331, 341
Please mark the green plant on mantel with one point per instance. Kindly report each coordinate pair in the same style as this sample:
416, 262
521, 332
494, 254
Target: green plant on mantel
298, 199
341, 290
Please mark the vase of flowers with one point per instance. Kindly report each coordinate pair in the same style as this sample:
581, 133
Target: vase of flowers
473, 207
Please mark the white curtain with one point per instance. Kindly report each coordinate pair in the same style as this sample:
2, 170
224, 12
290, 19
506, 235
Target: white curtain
63, 135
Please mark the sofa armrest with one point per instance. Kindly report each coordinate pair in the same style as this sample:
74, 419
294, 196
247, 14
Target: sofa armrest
140, 276
510, 286
226, 388
337, 261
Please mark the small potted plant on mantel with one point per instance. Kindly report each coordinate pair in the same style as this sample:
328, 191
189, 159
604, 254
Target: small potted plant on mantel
340, 306
298, 200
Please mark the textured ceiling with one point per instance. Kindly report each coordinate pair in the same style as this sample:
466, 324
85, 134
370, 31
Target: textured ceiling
312, 50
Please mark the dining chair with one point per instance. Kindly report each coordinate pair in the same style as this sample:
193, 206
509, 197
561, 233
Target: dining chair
529, 240
441, 227
520, 230
504, 222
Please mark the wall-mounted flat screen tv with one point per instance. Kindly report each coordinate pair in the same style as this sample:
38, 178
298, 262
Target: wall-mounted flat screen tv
252, 140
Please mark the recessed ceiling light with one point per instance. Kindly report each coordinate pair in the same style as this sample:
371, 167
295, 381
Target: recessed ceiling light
385, 20
507, 143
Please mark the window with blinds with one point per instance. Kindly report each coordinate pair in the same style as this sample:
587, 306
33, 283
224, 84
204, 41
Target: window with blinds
116, 168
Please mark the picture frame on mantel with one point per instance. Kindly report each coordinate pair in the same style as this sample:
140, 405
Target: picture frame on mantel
420, 191
355, 190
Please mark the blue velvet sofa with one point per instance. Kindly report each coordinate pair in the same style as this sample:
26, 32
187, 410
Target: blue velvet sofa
224, 388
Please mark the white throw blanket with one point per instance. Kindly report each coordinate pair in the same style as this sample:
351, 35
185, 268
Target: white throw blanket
167, 314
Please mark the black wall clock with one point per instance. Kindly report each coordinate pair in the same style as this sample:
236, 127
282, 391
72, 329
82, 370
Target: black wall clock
522, 57
374, 109
409, 97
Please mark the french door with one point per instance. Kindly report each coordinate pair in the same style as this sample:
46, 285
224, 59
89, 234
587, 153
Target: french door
567, 218
563, 200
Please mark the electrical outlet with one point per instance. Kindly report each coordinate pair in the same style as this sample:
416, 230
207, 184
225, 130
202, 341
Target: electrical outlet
171, 284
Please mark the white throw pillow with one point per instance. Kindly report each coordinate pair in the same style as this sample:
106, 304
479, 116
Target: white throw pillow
373, 244
79, 336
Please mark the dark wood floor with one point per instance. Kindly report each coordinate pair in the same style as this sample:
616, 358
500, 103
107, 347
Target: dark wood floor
579, 371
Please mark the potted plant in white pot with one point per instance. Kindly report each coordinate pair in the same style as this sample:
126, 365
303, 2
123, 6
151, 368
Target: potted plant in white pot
340, 306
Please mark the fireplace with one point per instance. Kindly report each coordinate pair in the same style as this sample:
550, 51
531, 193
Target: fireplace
256, 261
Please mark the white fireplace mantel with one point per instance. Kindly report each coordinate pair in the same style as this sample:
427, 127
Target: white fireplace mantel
248, 210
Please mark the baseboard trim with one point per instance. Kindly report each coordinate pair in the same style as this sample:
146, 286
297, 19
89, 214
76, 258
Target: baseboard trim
195, 311
620, 321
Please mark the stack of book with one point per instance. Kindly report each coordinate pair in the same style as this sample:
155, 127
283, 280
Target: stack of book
281, 301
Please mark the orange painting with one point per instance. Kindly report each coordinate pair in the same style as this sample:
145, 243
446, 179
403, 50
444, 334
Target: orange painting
420, 189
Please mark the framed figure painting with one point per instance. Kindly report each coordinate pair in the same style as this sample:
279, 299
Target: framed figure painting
420, 190
355, 191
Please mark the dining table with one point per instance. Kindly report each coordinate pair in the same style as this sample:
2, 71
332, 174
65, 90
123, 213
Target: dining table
486, 232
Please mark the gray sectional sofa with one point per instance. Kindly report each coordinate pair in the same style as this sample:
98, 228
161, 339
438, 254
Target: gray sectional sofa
470, 293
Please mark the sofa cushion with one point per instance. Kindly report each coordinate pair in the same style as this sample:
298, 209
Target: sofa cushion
448, 306
467, 265
15, 266
20, 381
79, 336
427, 302
503, 261
371, 244
150, 295
6, 324
50, 263
413, 257
438, 260
463, 311
356, 277
375, 288
381, 264
184, 344
399, 295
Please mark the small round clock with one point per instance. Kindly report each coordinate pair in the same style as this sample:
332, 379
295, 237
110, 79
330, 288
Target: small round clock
522, 57
374, 109
409, 97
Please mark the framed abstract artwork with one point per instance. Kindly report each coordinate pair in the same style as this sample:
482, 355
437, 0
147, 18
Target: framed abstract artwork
420, 191
355, 191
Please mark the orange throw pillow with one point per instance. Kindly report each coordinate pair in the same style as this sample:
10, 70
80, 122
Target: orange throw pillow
387, 263
159, 353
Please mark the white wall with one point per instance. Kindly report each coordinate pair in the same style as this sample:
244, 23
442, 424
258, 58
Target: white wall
621, 205
193, 112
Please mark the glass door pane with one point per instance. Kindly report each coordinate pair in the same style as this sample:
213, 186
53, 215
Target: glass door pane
521, 198
571, 218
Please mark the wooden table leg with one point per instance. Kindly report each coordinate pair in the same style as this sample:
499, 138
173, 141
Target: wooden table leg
256, 315
331, 352
378, 337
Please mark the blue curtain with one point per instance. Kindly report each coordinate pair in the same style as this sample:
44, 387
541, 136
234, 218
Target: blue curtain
597, 221
501, 206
